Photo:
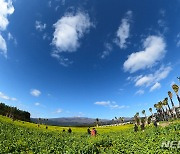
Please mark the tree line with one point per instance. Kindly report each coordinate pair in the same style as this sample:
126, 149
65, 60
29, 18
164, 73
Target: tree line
14, 113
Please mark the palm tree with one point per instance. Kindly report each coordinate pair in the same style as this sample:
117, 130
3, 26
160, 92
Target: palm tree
112, 121
160, 103
137, 114
158, 107
176, 88
137, 119
170, 96
150, 110
116, 119
144, 112
165, 102
122, 119
97, 122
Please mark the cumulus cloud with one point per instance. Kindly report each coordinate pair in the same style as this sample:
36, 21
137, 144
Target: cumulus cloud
3, 46
69, 30
35, 92
112, 105
150, 79
154, 51
123, 31
40, 26
4, 96
6, 10
107, 50
157, 85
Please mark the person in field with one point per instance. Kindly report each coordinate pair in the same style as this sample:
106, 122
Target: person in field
93, 132
69, 130
143, 126
89, 131
135, 128
155, 123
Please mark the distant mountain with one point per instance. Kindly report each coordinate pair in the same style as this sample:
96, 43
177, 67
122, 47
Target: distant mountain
74, 121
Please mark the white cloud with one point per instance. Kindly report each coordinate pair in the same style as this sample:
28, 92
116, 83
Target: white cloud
40, 26
49, 3
150, 79
46, 36
68, 30
14, 99
157, 85
6, 9
80, 114
37, 104
123, 31
57, 7
112, 105
103, 103
162, 12
58, 111
178, 43
154, 51
108, 49
10, 37
139, 92
35, 92
63, 61
63, 2
4, 96
178, 40
161, 23
172, 83
3, 46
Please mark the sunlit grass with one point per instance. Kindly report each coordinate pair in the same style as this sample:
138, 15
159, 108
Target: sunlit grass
25, 137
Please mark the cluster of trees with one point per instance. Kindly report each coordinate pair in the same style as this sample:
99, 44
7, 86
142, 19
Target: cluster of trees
117, 120
165, 110
14, 113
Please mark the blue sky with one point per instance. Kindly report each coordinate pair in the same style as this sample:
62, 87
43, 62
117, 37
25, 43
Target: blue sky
89, 58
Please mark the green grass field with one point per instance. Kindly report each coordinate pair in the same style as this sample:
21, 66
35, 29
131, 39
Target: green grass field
24, 137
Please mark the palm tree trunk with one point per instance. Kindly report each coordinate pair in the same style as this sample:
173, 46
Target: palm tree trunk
170, 110
172, 102
178, 99
163, 113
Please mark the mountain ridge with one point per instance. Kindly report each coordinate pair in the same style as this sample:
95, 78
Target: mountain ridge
75, 121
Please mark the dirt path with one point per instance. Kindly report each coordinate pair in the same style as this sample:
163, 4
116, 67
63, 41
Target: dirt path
164, 124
